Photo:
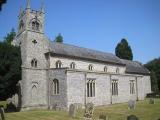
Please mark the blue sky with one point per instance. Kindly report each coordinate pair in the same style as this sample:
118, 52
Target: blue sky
96, 24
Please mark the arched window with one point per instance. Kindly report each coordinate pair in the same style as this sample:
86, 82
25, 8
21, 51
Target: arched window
105, 69
114, 87
55, 87
90, 67
34, 93
58, 64
34, 63
91, 88
72, 65
117, 70
35, 25
21, 25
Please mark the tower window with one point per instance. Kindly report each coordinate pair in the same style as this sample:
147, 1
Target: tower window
72, 65
55, 87
35, 25
21, 25
91, 88
34, 63
58, 64
34, 42
90, 67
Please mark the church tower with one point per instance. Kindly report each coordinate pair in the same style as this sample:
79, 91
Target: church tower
34, 45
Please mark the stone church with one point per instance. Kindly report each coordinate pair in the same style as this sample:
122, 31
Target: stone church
58, 74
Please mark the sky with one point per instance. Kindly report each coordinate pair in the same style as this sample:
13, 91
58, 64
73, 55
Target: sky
96, 24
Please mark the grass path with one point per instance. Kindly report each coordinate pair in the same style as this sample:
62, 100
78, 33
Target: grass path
143, 111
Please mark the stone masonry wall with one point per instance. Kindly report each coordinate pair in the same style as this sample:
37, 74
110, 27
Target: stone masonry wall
59, 100
83, 64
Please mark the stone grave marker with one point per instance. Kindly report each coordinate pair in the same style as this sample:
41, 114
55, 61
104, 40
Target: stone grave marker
131, 104
72, 111
89, 110
132, 117
2, 113
151, 101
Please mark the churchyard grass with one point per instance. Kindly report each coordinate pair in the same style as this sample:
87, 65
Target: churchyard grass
143, 110
4, 104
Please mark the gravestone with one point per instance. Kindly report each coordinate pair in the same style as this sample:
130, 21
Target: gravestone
151, 101
103, 117
72, 111
78, 106
132, 117
2, 113
131, 104
89, 110
55, 107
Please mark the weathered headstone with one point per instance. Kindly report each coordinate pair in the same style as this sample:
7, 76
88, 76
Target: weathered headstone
78, 106
132, 117
72, 111
89, 110
131, 104
103, 117
2, 113
55, 107
151, 101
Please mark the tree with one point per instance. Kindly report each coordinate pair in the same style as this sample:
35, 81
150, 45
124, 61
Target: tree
123, 50
59, 38
10, 36
1, 3
10, 67
154, 67
154, 82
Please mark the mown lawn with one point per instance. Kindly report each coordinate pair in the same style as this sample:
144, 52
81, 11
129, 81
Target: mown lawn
143, 111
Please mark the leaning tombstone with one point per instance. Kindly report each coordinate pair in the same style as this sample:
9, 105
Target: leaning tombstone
131, 104
72, 111
151, 101
103, 117
89, 110
2, 113
132, 117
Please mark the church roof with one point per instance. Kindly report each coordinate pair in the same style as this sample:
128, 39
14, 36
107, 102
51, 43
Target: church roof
84, 53
135, 67
94, 55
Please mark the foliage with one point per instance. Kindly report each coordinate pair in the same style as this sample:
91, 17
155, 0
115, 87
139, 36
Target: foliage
114, 112
59, 38
10, 36
4, 104
10, 67
123, 50
1, 3
154, 67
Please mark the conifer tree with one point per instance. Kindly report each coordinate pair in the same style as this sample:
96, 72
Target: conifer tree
123, 50
59, 38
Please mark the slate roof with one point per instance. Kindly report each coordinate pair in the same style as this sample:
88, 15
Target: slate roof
84, 53
135, 67
132, 67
